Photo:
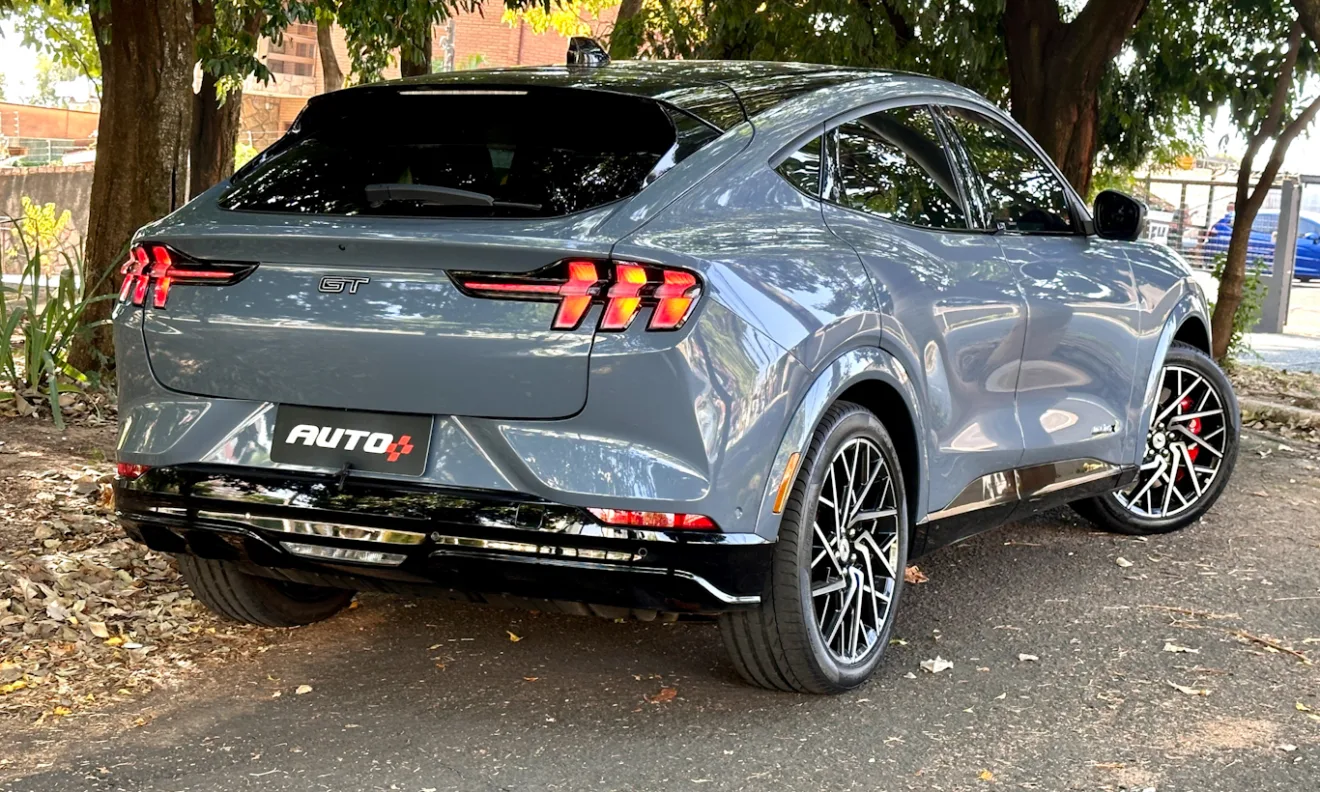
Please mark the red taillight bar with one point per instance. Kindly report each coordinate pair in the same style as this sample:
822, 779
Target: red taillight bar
156, 268
624, 287
645, 519
131, 470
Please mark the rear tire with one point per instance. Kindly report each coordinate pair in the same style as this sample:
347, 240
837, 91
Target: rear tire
796, 640
241, 597
1125, 511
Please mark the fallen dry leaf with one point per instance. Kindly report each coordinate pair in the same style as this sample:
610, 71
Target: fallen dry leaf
914, 575
512, 637
1028, 658
1172, 647
1190, 691
937, 665
1123, 562
665, 694
302, 690
986, 775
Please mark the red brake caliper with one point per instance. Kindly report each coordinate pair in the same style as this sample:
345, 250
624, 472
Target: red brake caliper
1193, 426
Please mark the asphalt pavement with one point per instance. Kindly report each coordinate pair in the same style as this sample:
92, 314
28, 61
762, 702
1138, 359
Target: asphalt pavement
1065, 660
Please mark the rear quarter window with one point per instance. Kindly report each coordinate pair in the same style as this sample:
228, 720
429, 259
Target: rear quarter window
413, 151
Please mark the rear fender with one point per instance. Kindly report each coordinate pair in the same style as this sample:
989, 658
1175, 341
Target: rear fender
847, 370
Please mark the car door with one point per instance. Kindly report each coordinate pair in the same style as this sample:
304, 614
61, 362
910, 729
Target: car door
952, 309
1076, 387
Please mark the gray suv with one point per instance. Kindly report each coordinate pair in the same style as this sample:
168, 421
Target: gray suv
651, 339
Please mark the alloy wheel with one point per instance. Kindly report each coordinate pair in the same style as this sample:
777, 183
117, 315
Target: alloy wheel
854, 551
1184, 447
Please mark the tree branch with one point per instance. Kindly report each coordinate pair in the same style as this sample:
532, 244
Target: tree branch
903, 30
1290, 132
1269, 126
1308, 14
1102, 27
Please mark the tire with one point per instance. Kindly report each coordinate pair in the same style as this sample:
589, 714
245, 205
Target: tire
1123, 511
781, 645
241, 597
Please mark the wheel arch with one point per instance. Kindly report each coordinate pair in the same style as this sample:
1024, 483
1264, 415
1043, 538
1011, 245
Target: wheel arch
877, 381
1194, 331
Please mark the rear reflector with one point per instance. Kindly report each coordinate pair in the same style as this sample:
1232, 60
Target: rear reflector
644, 519
131, 470
156, 269
786, 483
625, 288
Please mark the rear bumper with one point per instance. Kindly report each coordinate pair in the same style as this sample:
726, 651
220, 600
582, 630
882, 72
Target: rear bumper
371, 535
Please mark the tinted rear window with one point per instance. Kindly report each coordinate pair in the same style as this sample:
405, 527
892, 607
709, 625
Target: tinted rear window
530, 152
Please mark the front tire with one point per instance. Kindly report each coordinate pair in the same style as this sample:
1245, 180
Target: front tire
1191, 449
827, 610
249, 599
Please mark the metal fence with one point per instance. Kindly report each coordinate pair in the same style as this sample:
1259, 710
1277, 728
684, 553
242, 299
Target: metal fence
1195, 218
42, 151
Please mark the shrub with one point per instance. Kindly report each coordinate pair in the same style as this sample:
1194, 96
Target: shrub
1248, 311
41, 315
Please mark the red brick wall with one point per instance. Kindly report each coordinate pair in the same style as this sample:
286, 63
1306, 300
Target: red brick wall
20, 120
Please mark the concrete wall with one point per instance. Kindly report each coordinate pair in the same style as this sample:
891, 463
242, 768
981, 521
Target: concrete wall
66, 186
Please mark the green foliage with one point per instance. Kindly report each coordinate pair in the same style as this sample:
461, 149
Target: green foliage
1248, 311
60, 30
49, 75
2, 87
1182, 62
44, 312
474, 60
243, 153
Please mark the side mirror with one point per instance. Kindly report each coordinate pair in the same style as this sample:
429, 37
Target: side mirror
1119, 216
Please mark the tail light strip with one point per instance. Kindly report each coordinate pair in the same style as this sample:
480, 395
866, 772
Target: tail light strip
156, 269
624, 288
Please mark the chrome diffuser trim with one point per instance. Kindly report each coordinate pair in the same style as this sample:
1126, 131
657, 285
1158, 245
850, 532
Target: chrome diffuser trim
502, 546
327, 553
1024, 484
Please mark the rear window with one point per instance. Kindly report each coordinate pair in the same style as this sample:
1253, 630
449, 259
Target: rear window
483, 152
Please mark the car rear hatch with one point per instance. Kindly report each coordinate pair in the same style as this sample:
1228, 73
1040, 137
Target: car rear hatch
331, 271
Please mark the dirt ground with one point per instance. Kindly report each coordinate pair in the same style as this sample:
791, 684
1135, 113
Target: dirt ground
1081, 661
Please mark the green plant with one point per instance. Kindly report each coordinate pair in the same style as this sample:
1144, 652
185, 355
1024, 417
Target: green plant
1248, 311
44, 311
243, 153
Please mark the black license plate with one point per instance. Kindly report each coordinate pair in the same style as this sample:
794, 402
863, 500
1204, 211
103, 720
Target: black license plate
378, 442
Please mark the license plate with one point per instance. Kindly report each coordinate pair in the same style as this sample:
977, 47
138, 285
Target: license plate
378, 442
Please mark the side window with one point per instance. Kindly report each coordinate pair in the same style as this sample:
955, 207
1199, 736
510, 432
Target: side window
1020, 190
802, 168
893, 164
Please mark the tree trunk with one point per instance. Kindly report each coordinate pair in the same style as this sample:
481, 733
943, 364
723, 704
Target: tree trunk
142, 143
332, 77
1249, 199
1055, 70
625, 37
416, 59
1308, 16
215, 121
214, 136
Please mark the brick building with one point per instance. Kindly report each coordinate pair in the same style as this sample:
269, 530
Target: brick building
468, 41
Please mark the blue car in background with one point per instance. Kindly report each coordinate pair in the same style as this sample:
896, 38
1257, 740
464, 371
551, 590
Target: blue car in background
1261, 244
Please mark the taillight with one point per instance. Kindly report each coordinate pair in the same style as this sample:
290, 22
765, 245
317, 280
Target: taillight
131, 470
155, 269
625, 288
644, 519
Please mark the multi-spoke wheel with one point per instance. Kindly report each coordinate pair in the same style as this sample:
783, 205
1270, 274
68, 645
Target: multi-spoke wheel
854, 550
826, 615
1189, 453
